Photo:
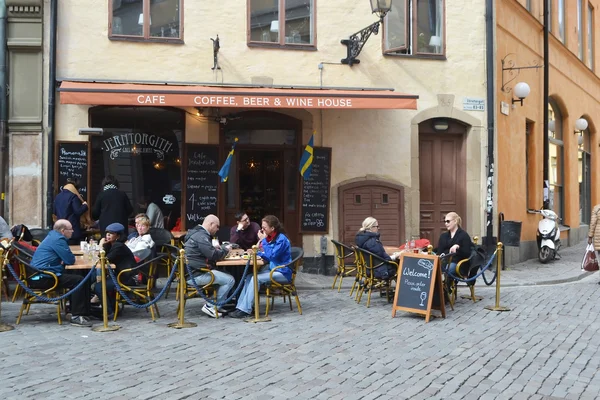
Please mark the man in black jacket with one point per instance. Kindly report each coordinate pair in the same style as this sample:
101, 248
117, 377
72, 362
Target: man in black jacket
112, 205
201, 253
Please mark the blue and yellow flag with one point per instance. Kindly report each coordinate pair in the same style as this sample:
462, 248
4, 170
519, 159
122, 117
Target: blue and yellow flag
307, 159
224, 172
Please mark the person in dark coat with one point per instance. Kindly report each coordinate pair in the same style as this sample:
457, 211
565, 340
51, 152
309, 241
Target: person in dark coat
455, 241
117, 253
112, 205
70, 205
367, 238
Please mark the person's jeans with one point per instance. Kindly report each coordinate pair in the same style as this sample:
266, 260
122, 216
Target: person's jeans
223, 280
246, 299
80, 300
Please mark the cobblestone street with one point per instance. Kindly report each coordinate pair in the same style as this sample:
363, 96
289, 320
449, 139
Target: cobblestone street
546, 347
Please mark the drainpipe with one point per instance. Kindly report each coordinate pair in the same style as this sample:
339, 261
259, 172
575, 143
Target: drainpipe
545, 103
51, 110
3, 106
490, 61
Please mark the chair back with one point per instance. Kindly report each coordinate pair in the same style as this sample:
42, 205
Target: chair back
23, 248
370, 262
39, 234
160, 236
342, 252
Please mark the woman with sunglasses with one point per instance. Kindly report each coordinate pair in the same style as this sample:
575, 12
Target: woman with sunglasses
455, 241
367, 238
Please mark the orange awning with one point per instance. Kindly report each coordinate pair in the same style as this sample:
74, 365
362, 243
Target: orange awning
133, 94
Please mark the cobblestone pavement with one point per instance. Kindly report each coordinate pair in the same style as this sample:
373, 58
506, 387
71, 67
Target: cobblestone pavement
546, 347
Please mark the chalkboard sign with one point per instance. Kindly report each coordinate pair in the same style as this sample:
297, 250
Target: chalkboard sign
201, 183
419, 285
72, 162
314, 215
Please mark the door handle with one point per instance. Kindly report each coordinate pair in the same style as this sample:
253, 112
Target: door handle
376, 205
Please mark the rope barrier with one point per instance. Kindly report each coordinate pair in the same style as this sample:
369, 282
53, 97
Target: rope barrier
481, 272
151, 302
45, 299
218, 303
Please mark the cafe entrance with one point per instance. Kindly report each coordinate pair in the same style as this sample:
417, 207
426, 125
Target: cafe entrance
263, 177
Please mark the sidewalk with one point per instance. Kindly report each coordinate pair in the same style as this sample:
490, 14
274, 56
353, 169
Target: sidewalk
528, 273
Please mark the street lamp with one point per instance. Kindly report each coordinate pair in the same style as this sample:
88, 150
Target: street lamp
521, 90
356, 41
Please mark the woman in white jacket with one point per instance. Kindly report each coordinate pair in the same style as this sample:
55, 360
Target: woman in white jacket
140, 242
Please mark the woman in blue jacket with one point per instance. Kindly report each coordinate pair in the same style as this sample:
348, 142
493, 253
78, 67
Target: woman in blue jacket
275, 250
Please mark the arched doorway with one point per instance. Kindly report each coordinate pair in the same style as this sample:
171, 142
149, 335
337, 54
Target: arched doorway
442, 174
264, 177
380, 200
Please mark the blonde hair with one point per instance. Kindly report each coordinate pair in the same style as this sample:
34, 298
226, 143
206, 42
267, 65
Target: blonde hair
367, 224
143, 219
456, 217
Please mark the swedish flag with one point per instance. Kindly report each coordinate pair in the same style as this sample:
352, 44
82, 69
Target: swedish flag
224, 172
307, 159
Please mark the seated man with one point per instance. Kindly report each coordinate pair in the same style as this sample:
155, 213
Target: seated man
201, 253
245, 233
52, 255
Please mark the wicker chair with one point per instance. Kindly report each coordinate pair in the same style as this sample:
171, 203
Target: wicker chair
346, 264
369, 262
285, 290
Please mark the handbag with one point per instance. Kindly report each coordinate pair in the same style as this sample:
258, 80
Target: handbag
590, 261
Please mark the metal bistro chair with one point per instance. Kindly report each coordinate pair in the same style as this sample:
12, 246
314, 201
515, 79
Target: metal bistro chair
346, 264
28, 250
140, 293
162, 238
190, 291
39, 234
53, 291
285, 290
369, 262
465, 269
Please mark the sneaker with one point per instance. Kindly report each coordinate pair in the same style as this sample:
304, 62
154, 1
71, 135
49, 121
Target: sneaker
210, 311
239, 314
80, 321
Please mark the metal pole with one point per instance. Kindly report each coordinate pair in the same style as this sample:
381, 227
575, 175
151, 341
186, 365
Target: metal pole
498, 307
546, 144
181, 293
256, 294
105, 327
4, 258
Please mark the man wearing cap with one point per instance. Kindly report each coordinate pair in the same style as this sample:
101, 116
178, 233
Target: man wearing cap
201, 253
119, 254
52, 255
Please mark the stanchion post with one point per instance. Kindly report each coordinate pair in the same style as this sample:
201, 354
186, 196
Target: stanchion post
256, 295
181, 292
498, 307
105, 327
4, 258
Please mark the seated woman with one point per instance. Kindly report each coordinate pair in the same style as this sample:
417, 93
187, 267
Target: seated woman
455, 241
367, 238
140, 242
119, 254
275, 250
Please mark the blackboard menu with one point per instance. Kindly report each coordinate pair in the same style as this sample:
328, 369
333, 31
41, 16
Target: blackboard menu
419, 285
315, 193
201, 184
72, 162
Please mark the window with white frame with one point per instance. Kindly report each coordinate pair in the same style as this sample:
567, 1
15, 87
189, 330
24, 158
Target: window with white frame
590, 37
281, 23
555, 160
415, 27
146, 20
580, 29
562, 31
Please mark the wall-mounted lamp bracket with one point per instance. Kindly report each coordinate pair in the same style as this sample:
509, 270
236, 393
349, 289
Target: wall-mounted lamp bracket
511, 70
356, 42
216, 47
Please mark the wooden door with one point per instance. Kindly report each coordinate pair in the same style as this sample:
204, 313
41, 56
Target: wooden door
442, 176
378, 200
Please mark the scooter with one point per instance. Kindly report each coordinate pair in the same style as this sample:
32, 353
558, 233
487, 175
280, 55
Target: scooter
548, 236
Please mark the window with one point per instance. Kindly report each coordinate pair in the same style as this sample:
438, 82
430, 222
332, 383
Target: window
530, 165
528, 5
555, 160
585, 175
146, 20
549, 15
561, 21
282, 23
415, 27
590, 38
580, 29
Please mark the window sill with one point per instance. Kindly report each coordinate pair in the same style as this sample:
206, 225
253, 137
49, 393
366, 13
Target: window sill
300, 47
143, 40
441, 57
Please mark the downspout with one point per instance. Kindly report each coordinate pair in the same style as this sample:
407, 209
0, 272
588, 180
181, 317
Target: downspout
545, 105
51, 110
490, 61
3, 106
